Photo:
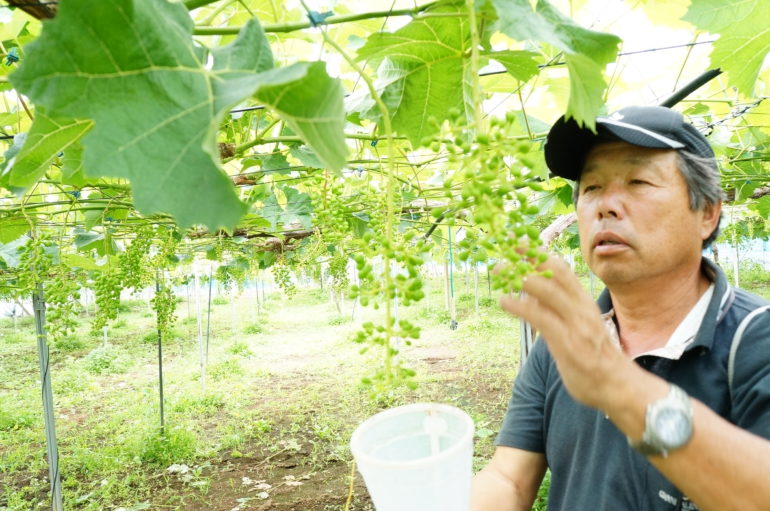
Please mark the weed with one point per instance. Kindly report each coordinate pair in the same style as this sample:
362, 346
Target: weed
226, 369
177, 445
18, 337
240, 349
466, 298
11, 419
436, 314
68, 344
196, 406
253, 328
105, 360
487, 302
339, 320
219, 300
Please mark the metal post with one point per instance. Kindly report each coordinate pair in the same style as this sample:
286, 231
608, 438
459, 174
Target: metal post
200, 331
208, 314
476, 287
160, 360
452, 310
38, 302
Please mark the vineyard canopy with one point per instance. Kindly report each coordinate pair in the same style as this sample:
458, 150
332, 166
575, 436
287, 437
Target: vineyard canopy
234, 123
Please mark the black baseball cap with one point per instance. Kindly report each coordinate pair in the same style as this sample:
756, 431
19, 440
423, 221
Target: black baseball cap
567, 144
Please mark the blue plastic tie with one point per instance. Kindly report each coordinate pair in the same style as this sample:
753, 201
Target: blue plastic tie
318, 18
12, 57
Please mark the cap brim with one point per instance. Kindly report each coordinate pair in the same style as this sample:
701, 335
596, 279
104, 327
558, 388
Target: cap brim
568, 143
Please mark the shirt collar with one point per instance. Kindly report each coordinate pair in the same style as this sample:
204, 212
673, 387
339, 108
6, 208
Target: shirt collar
697, 328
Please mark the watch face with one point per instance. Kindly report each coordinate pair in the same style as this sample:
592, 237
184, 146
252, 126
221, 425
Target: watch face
672, 427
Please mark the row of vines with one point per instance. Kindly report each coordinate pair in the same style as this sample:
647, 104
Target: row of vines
143, 135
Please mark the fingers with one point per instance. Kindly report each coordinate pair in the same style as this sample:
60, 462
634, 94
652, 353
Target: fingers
530, 310
562, 292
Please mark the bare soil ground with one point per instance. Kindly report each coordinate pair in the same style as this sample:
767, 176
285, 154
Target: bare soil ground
302, 381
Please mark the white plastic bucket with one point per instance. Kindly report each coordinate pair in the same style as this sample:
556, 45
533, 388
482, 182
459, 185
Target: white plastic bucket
416, 458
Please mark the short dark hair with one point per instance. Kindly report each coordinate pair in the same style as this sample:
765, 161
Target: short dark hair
703, 185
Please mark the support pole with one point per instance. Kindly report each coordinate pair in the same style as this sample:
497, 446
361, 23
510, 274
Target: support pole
208, 313
160, 360
38, 302
200, 331
452, 309
476, 287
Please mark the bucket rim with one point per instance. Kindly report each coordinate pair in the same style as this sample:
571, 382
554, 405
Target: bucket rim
359, 455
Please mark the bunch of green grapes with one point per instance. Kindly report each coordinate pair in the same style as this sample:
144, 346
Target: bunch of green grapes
164, 304
332, 220
406, 253
492, 187
166, 245
62, 296
35, 261
134, 266
282, 275
107, 288
405, 256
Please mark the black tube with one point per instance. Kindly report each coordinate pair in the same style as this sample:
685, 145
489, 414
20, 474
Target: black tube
691, 87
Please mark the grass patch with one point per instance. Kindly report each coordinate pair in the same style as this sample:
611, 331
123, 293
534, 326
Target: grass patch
254, 328
106, 360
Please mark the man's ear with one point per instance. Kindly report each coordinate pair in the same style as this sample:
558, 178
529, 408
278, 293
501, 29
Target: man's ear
711, 216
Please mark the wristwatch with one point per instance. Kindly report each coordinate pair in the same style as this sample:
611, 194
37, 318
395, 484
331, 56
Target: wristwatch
668, 424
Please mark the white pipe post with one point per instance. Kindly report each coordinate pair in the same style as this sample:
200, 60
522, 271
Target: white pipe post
200, 332
476, 287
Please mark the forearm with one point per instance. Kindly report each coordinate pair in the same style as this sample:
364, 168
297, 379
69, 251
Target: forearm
492, 491
722, 467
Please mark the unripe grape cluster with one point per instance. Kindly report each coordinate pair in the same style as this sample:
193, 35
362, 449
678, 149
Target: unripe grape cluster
164, 304
332, 221
282, 276
134, 265
493, 189
107, 288
62, 297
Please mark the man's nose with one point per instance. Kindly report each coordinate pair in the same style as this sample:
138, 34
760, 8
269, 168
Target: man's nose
611, 201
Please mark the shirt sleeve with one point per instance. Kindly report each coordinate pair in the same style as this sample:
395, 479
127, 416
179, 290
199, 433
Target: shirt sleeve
751, 382
523, 426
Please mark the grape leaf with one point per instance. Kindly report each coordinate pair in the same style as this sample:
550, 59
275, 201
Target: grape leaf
519, 64
47, 137
421, 70
156, 100
744, 36
12, 228
586, 52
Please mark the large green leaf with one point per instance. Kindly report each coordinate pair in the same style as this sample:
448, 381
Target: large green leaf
587, 52
744, 36
47, 137
311, 103
13, 227
422, 69
156, 102
519, 64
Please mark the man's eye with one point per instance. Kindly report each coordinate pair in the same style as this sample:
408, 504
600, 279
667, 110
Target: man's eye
590, 188
639, 182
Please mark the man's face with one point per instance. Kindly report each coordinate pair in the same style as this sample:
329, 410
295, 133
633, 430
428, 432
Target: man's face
634, 217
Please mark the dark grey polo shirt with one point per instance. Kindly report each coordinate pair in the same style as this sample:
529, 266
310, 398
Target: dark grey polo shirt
592, 466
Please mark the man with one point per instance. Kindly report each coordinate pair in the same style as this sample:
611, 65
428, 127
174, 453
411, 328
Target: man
631, 403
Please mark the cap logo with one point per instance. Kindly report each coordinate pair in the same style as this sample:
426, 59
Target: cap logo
616, 116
